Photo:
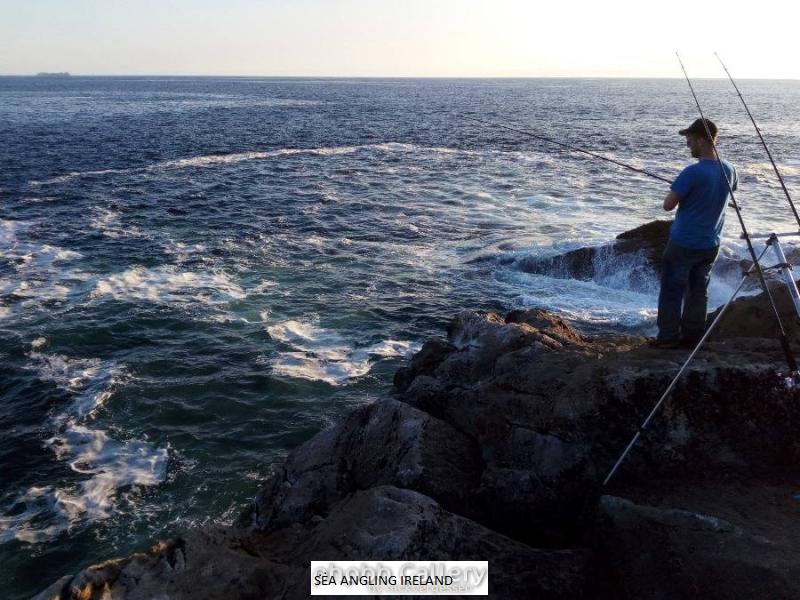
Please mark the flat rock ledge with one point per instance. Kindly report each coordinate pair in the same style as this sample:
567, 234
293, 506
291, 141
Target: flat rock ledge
492, 447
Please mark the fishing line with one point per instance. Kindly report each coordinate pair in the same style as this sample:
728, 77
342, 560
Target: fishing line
572, 148
755, 266
787, 351
675, 379
763, 142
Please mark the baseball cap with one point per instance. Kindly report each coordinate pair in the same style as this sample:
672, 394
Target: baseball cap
699, 129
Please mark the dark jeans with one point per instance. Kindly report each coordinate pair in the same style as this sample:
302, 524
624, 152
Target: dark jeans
684, 284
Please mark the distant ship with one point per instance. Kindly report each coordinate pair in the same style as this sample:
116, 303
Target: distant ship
65, 74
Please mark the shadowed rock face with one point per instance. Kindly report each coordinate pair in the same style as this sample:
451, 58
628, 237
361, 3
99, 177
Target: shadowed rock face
493, 447
669, 552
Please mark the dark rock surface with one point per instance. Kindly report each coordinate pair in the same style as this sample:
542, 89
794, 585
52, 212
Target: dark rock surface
387, 442
725, 540
753, 317
494, 447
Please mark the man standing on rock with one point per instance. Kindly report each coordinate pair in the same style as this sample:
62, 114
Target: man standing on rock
701, 194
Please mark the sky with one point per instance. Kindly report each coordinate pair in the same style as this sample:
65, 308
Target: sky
400, 38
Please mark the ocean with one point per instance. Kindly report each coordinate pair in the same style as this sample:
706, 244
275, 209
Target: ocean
198, 274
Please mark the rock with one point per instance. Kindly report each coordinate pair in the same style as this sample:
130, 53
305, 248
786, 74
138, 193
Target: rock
753, 317
550, 419
494, 447
634, 259
384, 523
387, 442
664, 553
209, 564
423, 362
549, 324
652, 237
397, 524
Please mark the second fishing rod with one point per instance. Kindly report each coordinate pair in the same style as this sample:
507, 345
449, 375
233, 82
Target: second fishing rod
782, 337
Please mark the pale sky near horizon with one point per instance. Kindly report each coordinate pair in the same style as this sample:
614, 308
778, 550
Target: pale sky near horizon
412, 38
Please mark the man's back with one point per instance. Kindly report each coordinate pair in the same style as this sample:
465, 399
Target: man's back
701, 211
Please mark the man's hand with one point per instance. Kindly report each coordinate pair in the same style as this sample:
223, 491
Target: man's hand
671, 201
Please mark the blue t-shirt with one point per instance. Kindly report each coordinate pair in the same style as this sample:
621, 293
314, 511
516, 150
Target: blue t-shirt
701, 210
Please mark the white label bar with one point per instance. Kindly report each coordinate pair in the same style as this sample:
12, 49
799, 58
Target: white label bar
399, 578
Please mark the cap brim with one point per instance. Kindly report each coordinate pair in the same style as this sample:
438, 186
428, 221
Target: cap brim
683, 131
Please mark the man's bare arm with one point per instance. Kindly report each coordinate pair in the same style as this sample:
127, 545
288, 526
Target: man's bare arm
671, 201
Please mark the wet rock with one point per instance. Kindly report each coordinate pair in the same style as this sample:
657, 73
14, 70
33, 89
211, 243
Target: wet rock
633, 260
387, 442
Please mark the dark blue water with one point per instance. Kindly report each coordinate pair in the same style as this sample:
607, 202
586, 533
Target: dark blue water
198, 274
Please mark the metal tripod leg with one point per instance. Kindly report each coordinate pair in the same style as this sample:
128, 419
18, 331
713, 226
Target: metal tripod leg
785, 270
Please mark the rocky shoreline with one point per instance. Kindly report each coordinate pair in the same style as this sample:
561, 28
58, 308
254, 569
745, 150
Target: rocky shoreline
493, 445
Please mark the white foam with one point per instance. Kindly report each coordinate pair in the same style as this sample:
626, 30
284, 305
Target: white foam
110, 465
105, 465
263, 286
166, 284
34, 290
330, 369
91, 381
214, 160
204, 161
323, 355
310, 337
586, 301
31, 524
390, 349
184, 252
38, 273
5, 312
8, 232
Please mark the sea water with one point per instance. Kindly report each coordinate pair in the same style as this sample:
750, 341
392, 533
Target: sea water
198, 274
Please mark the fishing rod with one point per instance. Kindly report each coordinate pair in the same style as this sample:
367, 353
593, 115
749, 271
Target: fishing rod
763, 142
790, 359
675, 379
573, 148
787, 351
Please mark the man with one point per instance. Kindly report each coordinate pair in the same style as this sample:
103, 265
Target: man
701, 194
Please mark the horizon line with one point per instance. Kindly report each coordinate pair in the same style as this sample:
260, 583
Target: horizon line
665, 77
